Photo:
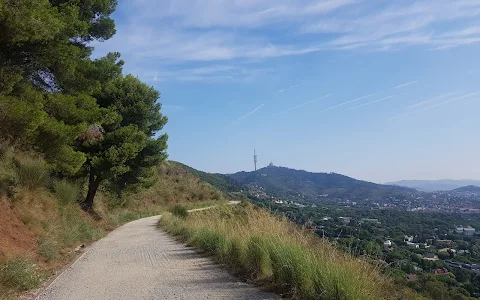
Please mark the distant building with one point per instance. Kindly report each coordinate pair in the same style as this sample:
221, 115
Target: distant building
469, 230
408, 238
430, 256
366, 220
345, 220
443, 241
387, 243
442, 271
412, 277
413, 245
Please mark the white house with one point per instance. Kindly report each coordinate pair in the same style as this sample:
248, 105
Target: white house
413, 245
387, 243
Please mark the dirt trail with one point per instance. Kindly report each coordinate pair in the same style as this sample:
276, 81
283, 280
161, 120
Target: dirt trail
138, 261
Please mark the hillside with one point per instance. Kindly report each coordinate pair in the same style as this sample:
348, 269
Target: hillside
435, 185
222, 182
41, 222
468, 189
280, 181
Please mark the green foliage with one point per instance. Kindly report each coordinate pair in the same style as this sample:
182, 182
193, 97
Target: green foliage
67, 192
219, 181
76, 229
284, 182
32, 173
46, 55
179, 211
18, 274
47, 249
128, 153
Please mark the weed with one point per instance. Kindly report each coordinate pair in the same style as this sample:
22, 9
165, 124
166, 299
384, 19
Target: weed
32, 173
179, 211
47, 249
19, 274
67, 192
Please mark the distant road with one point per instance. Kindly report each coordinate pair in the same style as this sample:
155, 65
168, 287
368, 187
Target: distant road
138, 261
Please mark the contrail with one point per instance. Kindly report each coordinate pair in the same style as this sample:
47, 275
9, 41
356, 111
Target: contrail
289, 88
368, 103
345, 103
454, 99
430, 100
406, 84
436, 105
247, 115
300, 105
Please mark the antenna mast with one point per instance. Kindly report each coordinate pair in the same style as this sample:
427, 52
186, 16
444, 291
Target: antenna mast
255, 158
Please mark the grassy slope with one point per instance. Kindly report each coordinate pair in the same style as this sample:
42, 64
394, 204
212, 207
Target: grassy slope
41, 223
273, 251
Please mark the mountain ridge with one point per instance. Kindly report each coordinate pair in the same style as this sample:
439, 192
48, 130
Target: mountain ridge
436, 185
282, 181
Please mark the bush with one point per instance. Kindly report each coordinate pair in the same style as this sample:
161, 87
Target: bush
47, 249
179, 211
32, 173
19, 274
8, 176
67, 192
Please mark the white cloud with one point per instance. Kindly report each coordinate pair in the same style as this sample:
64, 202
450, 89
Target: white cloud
173, 32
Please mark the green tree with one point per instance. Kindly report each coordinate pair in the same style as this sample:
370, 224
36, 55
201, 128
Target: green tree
46, 76
45, 42
128, 151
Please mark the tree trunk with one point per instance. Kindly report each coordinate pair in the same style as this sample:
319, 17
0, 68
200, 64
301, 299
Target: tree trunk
93, 184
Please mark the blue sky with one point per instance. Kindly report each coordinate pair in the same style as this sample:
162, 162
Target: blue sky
378, 90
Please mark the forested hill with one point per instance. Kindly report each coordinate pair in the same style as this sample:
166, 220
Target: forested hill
222, 182
282, 181
468, 189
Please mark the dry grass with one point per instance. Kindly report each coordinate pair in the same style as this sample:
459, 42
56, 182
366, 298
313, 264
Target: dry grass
56, 225
273, 251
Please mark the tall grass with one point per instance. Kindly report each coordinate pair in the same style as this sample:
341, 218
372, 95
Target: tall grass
272, 250
67, 192
19, 274
32, 172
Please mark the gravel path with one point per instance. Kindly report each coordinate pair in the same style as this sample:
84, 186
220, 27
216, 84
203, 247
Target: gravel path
138, 261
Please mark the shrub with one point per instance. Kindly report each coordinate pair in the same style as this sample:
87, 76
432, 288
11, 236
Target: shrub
179, 211
32, 173
67, 192
47, 249
19, 274
8, 176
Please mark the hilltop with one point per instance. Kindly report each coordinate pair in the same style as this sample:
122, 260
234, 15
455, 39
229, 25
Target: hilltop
468, 189
285, 182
